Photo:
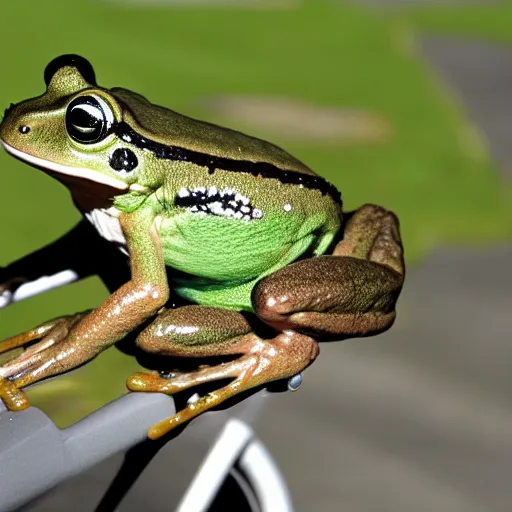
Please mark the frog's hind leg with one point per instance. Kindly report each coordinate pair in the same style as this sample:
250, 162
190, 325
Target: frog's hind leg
350, 293
50, 333
197, 331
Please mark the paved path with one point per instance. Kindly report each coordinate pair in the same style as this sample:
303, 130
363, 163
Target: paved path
419, 418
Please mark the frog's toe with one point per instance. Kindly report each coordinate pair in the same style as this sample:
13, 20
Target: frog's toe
20, 340
58, 328
142, 382
50, 333
13, 398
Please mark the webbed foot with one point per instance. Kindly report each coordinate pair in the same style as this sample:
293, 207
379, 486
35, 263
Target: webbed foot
50, 333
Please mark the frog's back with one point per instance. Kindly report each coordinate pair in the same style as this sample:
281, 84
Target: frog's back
161, 125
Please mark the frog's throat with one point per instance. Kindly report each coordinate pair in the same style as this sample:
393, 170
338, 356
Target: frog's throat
78, 172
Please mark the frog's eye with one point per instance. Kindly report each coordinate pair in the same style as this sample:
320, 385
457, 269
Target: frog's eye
89, 119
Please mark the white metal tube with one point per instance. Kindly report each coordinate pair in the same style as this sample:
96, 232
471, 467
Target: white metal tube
41, 285
267, 481
216, 466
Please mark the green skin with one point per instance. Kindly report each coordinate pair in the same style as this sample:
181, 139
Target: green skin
222, 263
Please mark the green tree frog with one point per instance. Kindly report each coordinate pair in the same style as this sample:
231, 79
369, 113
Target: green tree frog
232, 224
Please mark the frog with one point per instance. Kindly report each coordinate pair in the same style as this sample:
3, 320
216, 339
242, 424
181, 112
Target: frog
231, 224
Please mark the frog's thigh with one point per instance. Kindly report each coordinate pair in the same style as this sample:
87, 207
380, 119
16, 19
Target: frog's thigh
351, 293
196, 331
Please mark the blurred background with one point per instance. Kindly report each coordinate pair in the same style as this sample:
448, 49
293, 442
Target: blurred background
407, 104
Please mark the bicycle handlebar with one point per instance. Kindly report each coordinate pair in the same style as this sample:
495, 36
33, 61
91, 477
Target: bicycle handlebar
36, 455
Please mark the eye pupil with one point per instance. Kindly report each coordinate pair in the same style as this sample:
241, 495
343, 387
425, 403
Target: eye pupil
81, 116
88, 120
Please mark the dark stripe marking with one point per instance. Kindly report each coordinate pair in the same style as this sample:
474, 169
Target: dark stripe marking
266, 170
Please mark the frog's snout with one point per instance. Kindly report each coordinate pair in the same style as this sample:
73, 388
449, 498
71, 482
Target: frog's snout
22, 128
15, 125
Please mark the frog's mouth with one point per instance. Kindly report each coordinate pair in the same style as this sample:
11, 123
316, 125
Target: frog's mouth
225, 202
77, 172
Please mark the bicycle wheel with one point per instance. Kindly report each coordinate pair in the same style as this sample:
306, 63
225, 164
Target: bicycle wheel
236, 493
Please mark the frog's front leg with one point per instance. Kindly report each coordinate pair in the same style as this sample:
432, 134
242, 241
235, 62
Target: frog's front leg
199, 331
122, 312
348, 294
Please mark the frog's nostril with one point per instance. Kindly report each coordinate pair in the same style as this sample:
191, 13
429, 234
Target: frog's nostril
24, 129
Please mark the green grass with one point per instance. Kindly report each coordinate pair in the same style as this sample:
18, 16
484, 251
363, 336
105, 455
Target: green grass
491, 22
435, 171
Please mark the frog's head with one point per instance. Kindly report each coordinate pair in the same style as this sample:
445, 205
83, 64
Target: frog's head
70, 130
